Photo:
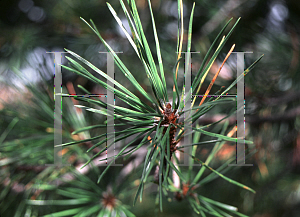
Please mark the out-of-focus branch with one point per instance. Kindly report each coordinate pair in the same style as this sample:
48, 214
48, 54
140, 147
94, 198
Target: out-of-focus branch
287, 116
286, 98
218, 18
254, 119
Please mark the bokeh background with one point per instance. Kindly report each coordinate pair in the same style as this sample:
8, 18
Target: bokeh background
29, 29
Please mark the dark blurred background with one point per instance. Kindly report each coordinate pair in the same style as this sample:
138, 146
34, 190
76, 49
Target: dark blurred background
28, 29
